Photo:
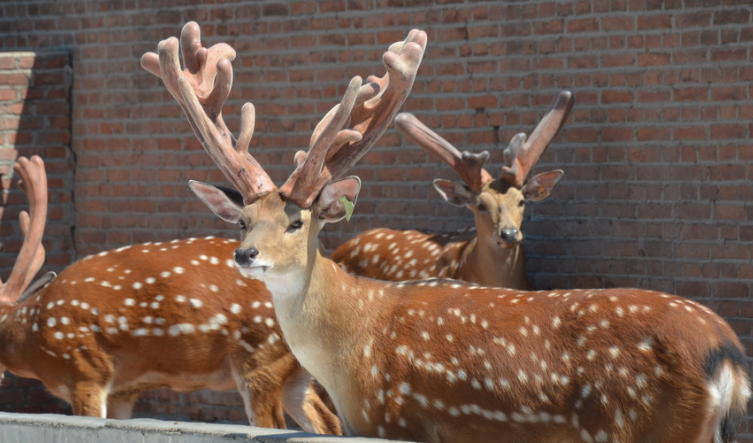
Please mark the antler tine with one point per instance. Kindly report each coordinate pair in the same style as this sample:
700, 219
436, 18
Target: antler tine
201, 90
33, 181
521, 155
358, 121
24, 222
309, 176
372, 117
469, 166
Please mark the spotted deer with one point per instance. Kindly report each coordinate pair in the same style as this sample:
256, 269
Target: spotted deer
490, 254
146, 316
442, 360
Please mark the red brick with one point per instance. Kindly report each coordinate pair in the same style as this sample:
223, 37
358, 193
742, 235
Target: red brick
725, 17
731, 289
727, 55
728, 212
690, 93
654, 22
13, 79
728, 131
609, 60
653, 59
582, 25
616, 134
608, 97
618, 23
694, 19
8, 62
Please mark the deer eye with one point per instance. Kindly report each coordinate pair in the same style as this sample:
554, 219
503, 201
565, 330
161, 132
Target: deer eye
481, 207
296, 225
242, 224
521, 203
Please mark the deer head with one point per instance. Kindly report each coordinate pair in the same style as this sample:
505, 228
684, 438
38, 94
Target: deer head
497, 204
279, 226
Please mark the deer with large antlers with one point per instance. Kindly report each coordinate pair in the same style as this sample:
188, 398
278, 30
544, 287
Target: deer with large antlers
140, 317
443, 360
489, 255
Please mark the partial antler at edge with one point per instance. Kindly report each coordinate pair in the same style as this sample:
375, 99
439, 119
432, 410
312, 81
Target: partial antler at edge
33, 181
469, 166
521, 155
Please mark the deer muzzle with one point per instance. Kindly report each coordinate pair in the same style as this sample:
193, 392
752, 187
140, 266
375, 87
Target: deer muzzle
245, 257
249, 264
510, 235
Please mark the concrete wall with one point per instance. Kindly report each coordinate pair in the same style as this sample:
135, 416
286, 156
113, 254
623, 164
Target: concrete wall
26, 428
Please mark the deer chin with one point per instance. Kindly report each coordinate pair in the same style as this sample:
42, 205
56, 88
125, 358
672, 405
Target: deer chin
257, 270
506, 244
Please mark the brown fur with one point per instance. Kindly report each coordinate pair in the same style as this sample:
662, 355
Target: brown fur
478, 255
446, 361
109, 309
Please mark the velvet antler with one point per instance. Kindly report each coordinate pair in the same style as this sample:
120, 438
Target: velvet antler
201, 89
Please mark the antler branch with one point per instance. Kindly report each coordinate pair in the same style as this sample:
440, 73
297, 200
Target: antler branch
201, 90
33, 182
521, 154
358, 121
469, 166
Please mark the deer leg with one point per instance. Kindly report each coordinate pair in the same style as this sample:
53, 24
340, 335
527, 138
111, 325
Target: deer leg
303, 404
121, 407
261, 396
89, 398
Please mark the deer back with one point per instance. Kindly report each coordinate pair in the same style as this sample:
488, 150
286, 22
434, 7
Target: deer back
446, 361
398, 255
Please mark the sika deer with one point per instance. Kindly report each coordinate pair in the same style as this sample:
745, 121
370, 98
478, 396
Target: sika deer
441, 360
491, 254
146, 316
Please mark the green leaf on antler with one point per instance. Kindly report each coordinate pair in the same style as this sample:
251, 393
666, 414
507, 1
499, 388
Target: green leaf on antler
348, 207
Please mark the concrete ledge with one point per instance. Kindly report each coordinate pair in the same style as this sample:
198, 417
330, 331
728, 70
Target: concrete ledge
49, 428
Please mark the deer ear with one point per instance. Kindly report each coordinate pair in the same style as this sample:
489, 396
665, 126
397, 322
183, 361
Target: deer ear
330, 207
540, 186
454, 193
226, 203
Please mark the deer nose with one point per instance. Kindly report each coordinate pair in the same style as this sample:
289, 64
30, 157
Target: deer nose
245, 257
510, 235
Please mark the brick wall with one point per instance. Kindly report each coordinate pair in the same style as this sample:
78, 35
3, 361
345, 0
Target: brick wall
35, 105
657, 153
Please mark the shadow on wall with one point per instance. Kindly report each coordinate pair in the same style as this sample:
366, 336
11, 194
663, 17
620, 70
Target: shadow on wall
35, 119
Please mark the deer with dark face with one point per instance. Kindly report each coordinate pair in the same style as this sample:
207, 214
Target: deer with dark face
442, 360
140, 317
490, 254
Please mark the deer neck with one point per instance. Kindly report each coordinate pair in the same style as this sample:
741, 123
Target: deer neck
323, 320
488, 264
314, 303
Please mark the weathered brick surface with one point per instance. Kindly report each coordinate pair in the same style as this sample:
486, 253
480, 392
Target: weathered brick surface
657, 153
